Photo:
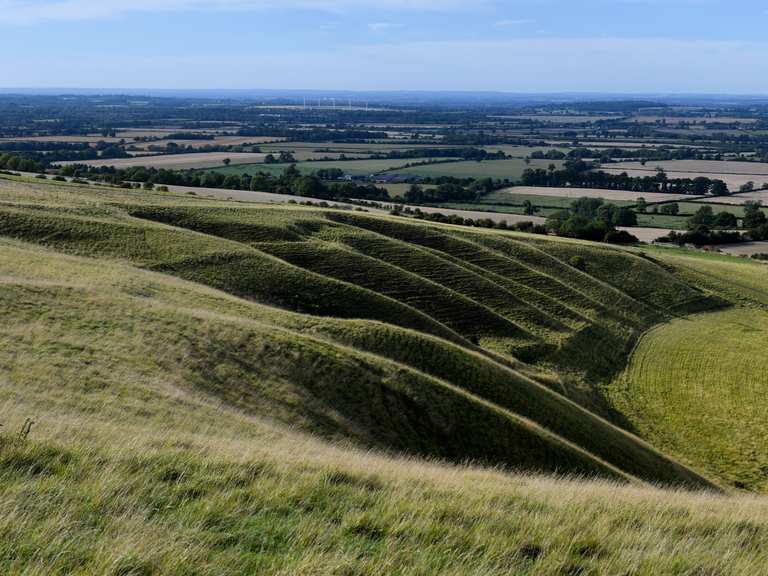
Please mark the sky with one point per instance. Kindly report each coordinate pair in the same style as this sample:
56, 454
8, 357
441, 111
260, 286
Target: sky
523, 46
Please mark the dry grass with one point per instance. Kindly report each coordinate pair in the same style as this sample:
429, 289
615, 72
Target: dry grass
253, 498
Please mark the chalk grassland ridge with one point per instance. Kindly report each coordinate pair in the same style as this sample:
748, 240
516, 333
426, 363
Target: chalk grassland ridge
457, 309
162, 343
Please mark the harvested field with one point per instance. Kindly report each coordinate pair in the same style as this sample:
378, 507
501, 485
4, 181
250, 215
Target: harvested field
745, 249
692, 120
217, 141
738, 199
592, 193
703, 167
181, 161
564, 119
90, 139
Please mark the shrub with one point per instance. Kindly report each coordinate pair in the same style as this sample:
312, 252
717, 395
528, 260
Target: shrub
578, 262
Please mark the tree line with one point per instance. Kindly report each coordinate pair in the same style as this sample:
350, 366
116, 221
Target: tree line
579, 174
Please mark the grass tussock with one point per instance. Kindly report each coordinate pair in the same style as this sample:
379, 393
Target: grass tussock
161, 502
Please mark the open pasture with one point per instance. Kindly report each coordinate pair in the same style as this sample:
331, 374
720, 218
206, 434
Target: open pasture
696, 386
497, 169
181, 161
351, 167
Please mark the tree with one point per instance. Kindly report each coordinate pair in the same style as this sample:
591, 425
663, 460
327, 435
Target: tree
754, 217
227, 161
672, 209
529, 209
307, 186
748, 187
726, 220
704, 216
719, 188
641, 206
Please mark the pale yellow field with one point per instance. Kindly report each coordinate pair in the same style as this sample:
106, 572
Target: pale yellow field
182, 161
594, 193
72, 139
693, 120
218, 141
758, 196
703, 167
681, 169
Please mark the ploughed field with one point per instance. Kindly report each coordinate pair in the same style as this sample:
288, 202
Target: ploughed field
207, 379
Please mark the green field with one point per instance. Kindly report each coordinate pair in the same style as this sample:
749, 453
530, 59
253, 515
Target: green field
235, 388
679, 222
497, 169
503, 197
351, 167
714, 416
497, 208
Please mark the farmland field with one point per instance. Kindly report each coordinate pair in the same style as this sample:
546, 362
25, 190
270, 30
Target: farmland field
614, 196
756, 169
180, 161
736, 199
745, 248
734, 181
216, 141
351, 167
497, 169
696, 387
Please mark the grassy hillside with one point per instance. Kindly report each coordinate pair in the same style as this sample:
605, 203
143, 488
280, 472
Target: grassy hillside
439, 375
241, 497
204, 377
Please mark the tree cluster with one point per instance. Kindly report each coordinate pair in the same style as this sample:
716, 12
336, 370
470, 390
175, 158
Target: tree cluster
593, 219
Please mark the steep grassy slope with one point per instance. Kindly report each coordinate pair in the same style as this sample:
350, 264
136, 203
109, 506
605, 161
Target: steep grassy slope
203, 375
417, 382
244, 498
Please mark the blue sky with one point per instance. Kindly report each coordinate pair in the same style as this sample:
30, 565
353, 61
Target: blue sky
669, 46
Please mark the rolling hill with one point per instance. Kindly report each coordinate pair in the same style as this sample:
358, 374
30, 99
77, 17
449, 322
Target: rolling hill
206, 352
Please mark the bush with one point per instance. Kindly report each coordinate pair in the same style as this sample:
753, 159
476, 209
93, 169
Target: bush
620, 237
578, 262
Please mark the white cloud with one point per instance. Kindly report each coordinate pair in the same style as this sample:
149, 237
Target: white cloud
520, 65
511, 23
25, 11
382, 26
